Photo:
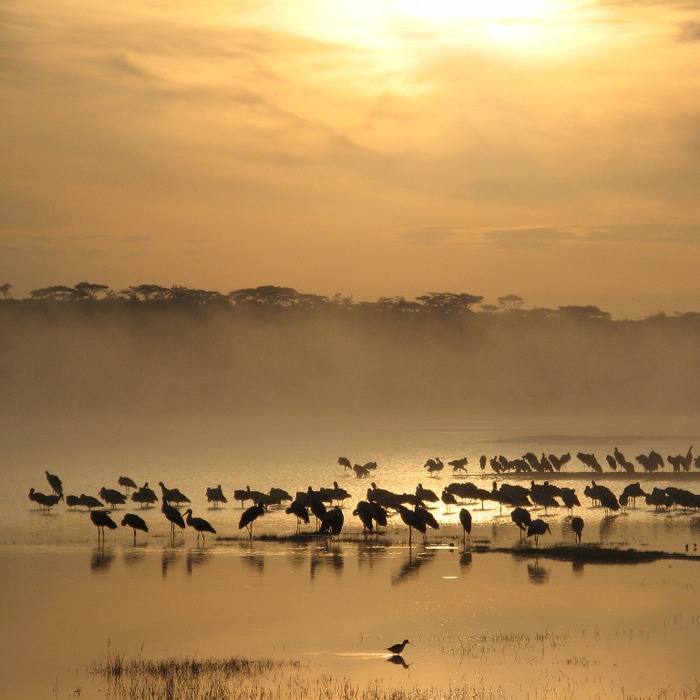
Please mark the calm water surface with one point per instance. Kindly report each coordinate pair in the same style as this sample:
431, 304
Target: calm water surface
520, 627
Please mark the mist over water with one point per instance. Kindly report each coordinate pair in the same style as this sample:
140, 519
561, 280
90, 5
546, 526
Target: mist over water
151, 373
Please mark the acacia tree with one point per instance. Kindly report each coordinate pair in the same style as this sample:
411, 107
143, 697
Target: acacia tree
270, 295
510, 302
90, 291
448, 301
588, 311
5, 290
58, 292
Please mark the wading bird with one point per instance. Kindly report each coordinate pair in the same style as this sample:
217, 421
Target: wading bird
127, 483
538, 527
101, 519
249, 516
174, 517
199, 524
173, 495
396, 649
465, 518
215, 495
577, 527
112, 497
521, 518
135, 522
145, 495
333, 522
54, 483
301, 512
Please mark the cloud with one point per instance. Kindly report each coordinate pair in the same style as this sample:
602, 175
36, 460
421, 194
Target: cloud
528, 237
433, 235
689, 31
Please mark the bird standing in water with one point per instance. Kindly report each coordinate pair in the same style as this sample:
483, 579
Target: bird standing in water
396, 649
577, 527
136, 522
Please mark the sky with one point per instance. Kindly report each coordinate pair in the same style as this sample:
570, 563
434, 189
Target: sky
544, 148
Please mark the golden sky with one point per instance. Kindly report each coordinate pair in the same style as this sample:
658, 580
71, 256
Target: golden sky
545, 148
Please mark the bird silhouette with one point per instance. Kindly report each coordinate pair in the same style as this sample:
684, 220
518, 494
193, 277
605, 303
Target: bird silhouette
101, 520
215, 495
344, 462
412, 520
301, 512
54, 483
458, 464
316, 506
332, 522
144, 496
173, 495
90, 502
199, 524
465, 518
135, 522
397, 649
112, 497
434, 466
46, 501
448, 499
249, 516
521, 518
577, 527
127, 483
538, 527
174, 516
426, 495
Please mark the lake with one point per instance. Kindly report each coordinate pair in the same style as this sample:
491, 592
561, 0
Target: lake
492, 624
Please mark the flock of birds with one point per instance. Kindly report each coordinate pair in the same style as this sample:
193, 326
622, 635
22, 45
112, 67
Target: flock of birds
325, 505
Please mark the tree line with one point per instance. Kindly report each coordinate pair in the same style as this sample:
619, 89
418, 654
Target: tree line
277, 297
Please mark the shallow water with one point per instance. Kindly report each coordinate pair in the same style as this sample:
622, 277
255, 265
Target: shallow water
513, 626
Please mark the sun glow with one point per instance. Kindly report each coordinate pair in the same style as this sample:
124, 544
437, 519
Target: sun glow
491, 11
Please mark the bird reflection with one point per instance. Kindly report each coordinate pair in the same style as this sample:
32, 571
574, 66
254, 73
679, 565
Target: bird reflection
606, 527
332, 558
252, 557
398, 660
168, 557
101, 558
195, 557
537, 573
135, 553
465, 558
411, 566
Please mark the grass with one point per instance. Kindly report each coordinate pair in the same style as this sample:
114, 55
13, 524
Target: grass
267, 679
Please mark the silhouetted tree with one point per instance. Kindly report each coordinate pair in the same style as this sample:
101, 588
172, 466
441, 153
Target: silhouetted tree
511, 302
58, 292
5, 290
87, 290
269, 295
589, 311
490, 308
397, 304
146, 292
449, 302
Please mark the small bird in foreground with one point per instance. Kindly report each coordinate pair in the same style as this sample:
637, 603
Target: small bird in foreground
398, 648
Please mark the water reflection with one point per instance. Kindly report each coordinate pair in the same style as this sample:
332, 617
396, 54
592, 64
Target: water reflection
537, 574
607, 525
398, 660
411, 566
252, 557
101, 558
135, 553
195, 557
465, 557
168, 558
330, 556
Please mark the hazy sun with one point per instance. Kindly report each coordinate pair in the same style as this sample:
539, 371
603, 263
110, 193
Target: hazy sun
479, 10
